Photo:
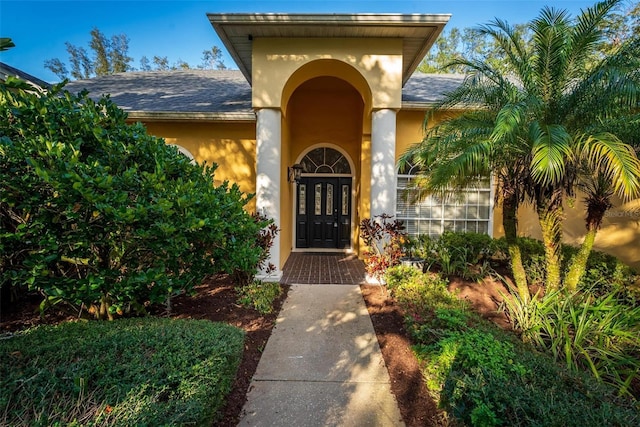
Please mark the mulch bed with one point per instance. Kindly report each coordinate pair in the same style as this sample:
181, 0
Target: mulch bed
216, 300
415, 403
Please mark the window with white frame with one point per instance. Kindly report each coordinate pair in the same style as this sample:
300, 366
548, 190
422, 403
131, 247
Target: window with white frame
468, 210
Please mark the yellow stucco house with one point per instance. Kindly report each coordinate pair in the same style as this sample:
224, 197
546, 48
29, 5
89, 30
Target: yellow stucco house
335, 98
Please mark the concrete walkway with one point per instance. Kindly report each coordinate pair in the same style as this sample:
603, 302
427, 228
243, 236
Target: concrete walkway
322, 365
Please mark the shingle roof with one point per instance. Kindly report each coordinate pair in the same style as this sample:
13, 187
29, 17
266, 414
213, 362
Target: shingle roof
429, 88
179, 91
7, 70
221, 94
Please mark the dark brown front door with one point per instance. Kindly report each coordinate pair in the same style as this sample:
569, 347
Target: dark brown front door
323, 213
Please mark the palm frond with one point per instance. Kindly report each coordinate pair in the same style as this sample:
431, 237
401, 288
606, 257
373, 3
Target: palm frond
586, 33
612, 88
606, 154
513, 46
551, 151
509, 121
550, 31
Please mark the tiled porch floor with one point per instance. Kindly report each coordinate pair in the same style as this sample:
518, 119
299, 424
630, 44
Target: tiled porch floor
323, 268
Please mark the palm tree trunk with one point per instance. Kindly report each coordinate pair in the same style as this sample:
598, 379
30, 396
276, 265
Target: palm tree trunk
578, 263
550, 217
596, 208
510, 224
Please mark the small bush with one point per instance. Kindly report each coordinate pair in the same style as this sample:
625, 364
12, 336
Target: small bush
259, 295
455, 253
400, 274
477, 246
420, 295
604, 273
125, 372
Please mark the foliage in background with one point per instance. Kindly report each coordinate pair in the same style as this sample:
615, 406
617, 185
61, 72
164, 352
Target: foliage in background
126, 372
604, 273
384, 239
97, 213
111, 55
621, 25
259, 295
484, 376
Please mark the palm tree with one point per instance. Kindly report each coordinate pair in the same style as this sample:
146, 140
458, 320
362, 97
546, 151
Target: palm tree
534, 126
6, 43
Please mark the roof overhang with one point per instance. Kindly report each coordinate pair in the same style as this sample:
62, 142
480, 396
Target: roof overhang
182, 116
417, 31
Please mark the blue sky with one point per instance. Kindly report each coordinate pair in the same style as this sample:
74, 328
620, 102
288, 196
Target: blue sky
181, 30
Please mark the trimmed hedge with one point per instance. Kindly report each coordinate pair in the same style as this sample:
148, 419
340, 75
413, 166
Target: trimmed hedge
126, 372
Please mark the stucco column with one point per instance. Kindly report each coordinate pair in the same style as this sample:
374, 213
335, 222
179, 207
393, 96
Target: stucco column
268, 164
383, 152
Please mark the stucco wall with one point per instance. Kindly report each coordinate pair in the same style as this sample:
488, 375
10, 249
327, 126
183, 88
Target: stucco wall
275, 61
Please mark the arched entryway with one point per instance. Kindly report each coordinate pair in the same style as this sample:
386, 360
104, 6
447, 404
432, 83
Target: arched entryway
324, 131
324, 200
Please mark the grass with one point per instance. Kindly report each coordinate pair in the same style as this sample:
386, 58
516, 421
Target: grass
127, 372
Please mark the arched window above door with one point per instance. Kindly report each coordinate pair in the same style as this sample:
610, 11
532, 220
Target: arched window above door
325, 160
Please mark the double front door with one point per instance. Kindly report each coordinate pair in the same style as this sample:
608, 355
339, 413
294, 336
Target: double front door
323, 213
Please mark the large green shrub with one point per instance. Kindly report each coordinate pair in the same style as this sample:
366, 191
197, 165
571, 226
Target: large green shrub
485, 376
604, 272
129, 372
95, 212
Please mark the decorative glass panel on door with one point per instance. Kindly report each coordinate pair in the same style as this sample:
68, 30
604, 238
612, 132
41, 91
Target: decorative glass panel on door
329, 199
302, 199
318, 200
345, 200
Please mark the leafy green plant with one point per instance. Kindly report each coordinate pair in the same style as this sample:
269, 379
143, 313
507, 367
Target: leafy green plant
525, 315
126, 372
105, 217
598, 335
475, 246
451, 260
482, 375
259, 295
480, 354
420, 294
400, 274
